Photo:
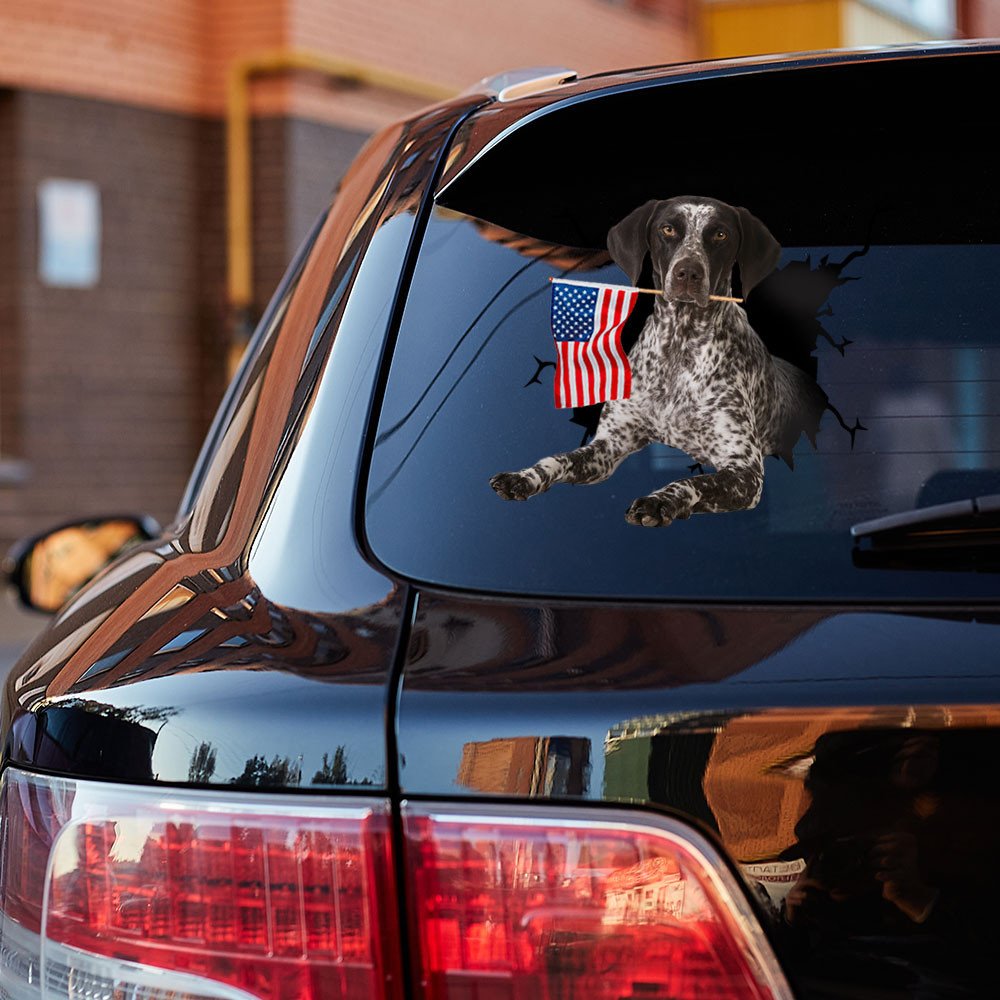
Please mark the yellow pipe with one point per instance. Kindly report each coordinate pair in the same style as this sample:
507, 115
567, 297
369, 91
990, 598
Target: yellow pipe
239, 263
239, 223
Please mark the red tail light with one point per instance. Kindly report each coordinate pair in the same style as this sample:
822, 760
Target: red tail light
556, 905
236, 895
166, 894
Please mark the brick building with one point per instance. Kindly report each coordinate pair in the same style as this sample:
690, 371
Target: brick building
107, 382
108, 378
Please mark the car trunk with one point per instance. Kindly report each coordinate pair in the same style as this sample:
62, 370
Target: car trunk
841, 758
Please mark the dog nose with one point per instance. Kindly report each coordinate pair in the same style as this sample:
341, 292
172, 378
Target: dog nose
688, 269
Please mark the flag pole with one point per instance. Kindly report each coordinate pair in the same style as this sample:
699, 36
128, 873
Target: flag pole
645, 291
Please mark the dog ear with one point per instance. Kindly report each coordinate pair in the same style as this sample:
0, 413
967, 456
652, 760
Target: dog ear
758, 253
628, 240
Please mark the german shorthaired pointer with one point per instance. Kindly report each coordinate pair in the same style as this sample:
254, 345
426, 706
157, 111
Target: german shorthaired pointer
702, 380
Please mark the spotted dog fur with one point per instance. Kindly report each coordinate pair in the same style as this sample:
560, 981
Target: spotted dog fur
702, 380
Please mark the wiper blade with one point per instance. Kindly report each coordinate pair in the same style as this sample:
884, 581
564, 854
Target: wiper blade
958, 518
961, 535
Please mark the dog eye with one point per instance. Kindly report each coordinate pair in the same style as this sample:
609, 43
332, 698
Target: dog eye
720, 236
668, 230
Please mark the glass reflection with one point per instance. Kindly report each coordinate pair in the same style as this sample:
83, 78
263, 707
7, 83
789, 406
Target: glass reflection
59, 563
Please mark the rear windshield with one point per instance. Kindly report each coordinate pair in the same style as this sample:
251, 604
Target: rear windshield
898, 332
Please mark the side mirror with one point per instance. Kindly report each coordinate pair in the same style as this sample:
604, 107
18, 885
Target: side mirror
47, 569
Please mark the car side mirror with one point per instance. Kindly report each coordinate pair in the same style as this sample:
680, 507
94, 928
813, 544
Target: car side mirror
47, 569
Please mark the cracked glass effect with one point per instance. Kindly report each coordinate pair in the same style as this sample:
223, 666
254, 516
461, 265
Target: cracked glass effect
903, 340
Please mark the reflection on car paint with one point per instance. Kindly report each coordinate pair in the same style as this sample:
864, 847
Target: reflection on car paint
248, 690
125, 720
527, 765
848, 824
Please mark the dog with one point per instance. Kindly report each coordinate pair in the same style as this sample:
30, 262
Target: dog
702, 379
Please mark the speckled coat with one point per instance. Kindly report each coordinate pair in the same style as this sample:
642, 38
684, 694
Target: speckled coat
702, 380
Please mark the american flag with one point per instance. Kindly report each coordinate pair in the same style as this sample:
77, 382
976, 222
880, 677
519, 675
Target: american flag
587, 321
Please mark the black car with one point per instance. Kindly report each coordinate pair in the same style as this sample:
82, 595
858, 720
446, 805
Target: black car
355, 726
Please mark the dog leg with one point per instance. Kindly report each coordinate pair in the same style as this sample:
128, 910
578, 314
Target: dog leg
592, 463
731, 488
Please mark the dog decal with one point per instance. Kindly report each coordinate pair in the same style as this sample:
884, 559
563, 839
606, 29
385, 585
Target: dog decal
702, 380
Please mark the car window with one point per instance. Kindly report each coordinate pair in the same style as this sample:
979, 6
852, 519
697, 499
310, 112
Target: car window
897, 327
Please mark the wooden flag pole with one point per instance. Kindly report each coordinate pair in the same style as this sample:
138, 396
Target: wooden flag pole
645, 291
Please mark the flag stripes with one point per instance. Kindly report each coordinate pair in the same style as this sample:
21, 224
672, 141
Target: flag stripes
587, 321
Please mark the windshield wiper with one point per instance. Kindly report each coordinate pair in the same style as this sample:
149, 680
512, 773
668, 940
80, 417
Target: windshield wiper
961, 535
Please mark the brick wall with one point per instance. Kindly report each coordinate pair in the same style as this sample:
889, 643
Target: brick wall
455, 42
109, 406
296, 165
174, 54
105, 393
979, 18
211, 266
9, 286
136, 51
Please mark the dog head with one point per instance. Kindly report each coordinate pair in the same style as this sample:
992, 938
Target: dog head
693, 244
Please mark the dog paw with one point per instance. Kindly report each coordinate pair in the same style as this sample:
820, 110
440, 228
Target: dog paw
658, 510
513, 486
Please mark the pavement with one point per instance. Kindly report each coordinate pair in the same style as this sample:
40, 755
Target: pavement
18, 627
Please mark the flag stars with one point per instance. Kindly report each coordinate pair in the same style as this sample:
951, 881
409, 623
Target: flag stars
573, 309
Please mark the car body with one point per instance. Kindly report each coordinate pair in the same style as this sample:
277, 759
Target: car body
555, 754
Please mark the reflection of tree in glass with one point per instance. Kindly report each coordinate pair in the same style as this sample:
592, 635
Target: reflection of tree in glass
335, 772
258, 773
135, 714
202, 765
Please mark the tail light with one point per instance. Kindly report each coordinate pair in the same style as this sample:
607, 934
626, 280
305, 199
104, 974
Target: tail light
108, 891
121, 892
559, 904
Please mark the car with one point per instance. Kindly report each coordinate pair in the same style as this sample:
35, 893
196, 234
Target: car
355, 726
